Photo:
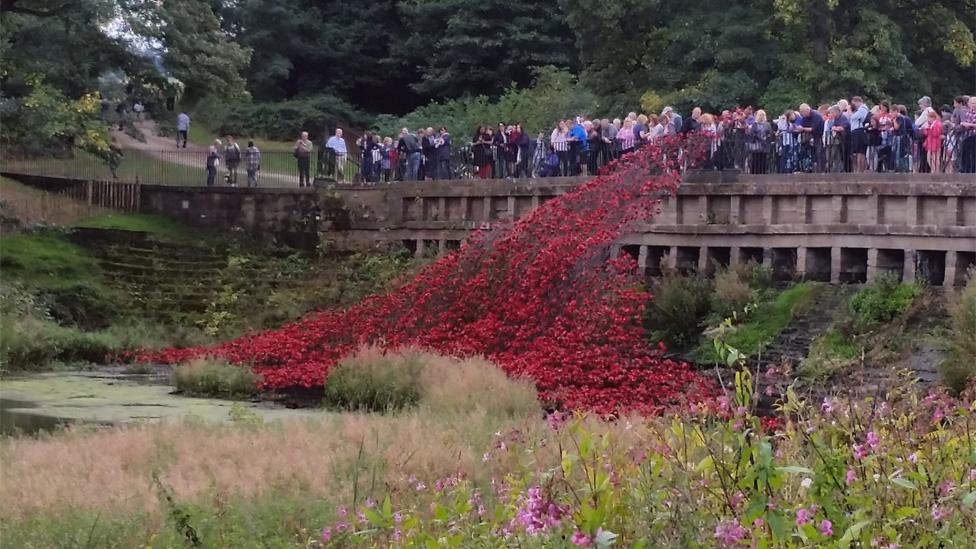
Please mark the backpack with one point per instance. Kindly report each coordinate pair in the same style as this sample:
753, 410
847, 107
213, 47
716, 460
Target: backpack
232, 153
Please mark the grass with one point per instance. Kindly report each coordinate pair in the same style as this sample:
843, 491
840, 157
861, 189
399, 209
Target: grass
205, 377
46, 260
159, 227
959, 368
828, 353
374, 380
761, 328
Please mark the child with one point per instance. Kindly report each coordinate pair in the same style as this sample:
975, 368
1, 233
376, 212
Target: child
933, 140
539, 155
550, 167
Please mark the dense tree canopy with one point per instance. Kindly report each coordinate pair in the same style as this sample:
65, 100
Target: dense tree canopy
351, 57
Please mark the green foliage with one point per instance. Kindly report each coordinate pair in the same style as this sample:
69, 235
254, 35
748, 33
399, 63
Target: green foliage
882, 301
374, 382
679, 308
829, 352
198, 53
158, 227
475, 47
732, 294
317, 114
30, 343
47, 260
46, 122
554, 94
959, 368
769, 319
208, 377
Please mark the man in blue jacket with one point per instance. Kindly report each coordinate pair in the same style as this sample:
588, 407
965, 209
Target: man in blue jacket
812, 128
578, 145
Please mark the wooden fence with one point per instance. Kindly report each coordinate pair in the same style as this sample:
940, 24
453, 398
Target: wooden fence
114, 195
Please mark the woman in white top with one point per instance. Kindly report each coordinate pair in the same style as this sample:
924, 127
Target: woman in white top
560, 143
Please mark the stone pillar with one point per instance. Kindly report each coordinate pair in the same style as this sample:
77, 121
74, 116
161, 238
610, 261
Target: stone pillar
801, 261
511, 208
421, 247
703, 212
951, 212
952, 259
873, 216
768, 257
912, 211
703, 260
767, 214
872, 272
489, 205
464, 208
839, 215
803, 209
735, 253
642, 252
615, 251
672, 262
908, 269
735, 210
422, 205
535, 201
441, 246
835, 256
442, 209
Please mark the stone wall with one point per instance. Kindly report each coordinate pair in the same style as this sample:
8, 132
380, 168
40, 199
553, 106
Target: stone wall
841, 227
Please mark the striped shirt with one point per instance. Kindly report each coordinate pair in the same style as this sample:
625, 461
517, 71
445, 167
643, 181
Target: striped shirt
559, 142
626, 140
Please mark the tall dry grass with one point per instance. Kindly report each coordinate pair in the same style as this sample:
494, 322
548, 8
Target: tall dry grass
35, 205
465, 403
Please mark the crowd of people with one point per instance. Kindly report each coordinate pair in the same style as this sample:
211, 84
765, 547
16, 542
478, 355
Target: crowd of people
847, 136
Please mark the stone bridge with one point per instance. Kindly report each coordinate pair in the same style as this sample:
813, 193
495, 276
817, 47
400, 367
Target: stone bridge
836, 228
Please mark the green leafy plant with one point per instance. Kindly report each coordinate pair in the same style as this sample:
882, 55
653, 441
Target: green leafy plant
215, 378
679, 308
959, 368
882, 301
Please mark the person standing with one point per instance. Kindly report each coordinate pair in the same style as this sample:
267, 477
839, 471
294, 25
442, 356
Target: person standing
560, 144
411, 147
252, 163
968, 136
859, 136
213, 162
578, 146
232, 156
932, 143
303, 154
812, 127
338, 152
114, 157
444, 144
182, 128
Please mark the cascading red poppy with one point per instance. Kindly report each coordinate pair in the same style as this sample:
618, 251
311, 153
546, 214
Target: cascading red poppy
541, 297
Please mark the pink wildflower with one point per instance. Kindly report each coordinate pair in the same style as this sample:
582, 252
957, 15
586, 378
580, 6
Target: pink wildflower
326, 535
729, 533
826, 528
581, 539
860, 452
940, 513
803, 516
873, 440
851, 477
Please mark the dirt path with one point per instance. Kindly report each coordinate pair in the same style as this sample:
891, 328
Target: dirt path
165, 149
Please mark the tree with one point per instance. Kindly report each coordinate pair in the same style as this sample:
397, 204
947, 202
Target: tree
482, 46
198, 52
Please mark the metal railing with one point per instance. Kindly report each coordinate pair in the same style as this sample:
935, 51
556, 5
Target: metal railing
735, 149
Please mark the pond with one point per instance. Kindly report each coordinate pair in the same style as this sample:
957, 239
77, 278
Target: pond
42, 402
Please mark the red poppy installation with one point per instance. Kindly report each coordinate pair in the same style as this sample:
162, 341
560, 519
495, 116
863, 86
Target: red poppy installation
541, 297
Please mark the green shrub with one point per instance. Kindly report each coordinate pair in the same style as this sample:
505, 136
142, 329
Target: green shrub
209, 377
959, 368
769, 319
374, 382
82, 304
882, 301
829, 352
29, 343
282, 121
678, 309
732, 294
